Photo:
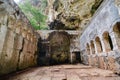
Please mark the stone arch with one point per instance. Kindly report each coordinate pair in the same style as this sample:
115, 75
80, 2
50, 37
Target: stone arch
116, 30
59, 42
107, 41
88, 49
92, 47
98, 45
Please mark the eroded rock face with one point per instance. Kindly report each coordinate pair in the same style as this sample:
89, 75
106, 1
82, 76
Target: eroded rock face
74, 14
17, 39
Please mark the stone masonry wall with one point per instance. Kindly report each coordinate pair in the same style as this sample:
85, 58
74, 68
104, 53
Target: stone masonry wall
73, 38
18, 41
100, 42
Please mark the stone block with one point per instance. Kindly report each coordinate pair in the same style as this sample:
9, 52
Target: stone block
8, 55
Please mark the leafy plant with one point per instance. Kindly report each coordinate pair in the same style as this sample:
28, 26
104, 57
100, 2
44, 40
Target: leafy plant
35, 16
95, 6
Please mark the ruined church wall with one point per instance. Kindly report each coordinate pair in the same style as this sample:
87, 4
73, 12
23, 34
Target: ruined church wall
18, 41
98, 43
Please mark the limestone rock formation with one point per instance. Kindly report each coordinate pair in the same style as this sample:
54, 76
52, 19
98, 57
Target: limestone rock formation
67, 14
71, 14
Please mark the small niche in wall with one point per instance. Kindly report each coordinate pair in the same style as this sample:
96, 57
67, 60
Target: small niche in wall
98, 45
107, 41
116, 30
92, 47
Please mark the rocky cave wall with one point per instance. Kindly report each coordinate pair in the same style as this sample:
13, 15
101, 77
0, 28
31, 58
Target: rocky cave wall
18, 41
99, 43
71, 14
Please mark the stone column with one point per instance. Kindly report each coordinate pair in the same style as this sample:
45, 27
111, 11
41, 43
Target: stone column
102, 43
96, 55
90, 50
96, 52
71, 60
91, 56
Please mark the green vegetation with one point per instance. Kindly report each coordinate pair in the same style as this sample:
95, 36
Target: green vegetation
34, 10
96, 6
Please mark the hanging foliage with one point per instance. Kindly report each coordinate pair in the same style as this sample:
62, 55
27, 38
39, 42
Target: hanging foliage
34, 14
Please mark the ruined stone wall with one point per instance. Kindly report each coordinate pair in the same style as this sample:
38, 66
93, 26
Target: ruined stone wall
60, 44
18, 41
74, 37
100, 42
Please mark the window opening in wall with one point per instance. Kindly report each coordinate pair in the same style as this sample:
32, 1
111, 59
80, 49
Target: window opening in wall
98, 45
107, 41
92, 47
101, 47
116, 30
110, 41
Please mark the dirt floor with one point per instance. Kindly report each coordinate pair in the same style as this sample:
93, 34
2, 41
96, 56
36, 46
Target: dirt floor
63, 72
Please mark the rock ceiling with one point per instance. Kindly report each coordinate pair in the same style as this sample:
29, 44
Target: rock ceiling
71, 14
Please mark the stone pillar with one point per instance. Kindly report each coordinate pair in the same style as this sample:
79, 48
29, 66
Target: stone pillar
90, 50
91, 56
71, 60
102, 43
96, 55
96, 52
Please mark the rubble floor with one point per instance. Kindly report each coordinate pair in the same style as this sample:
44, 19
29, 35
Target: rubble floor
63, 72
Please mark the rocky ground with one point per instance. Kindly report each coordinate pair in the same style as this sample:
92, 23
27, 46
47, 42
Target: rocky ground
63, 72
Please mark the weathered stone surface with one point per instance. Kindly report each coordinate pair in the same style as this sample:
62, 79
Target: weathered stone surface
63, 72
71, 14
105, 25
111, 63
17, 50
8, 53
99, 43
59, 44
